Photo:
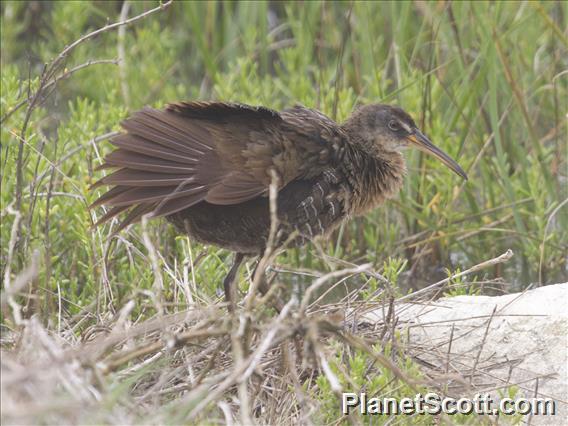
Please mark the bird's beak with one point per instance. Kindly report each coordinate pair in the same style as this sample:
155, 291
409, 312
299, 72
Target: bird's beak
420, 141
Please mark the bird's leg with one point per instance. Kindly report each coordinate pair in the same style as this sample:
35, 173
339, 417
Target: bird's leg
264, 287
229, 281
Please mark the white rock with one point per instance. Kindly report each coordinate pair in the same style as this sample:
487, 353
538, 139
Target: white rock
517, 339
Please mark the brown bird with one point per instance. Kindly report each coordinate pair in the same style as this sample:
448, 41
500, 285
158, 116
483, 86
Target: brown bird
207, 167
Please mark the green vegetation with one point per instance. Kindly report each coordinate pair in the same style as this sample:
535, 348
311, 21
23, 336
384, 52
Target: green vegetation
484, 80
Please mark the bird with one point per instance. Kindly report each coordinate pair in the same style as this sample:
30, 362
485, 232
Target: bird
208, 166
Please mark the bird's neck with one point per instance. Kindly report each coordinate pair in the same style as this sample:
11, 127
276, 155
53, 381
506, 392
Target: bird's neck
372, 178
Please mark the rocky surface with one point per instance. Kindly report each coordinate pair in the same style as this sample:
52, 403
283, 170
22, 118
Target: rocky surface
478, 344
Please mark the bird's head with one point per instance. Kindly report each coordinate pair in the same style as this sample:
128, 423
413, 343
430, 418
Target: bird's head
384, 129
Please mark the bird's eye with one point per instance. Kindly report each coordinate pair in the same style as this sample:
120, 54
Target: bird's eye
394, 126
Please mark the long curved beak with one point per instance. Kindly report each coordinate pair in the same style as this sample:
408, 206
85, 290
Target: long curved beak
420, 141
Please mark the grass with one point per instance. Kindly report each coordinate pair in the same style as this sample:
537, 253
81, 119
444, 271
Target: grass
485, 81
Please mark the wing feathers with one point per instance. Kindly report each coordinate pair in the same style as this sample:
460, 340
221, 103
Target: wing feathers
234, 188
156, 126
222, 111
169, 160
138, 144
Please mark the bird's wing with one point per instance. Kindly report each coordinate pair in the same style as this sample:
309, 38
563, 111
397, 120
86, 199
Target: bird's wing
222, 153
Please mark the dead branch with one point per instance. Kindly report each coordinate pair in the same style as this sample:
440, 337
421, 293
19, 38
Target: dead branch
499, 259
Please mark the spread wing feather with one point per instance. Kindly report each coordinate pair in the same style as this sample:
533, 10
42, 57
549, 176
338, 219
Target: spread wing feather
133, 177
110, 214
167, 130
109, 195
168, 160
134, 215
133, 160
171, 205
156, 194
